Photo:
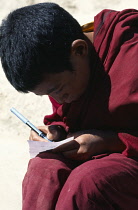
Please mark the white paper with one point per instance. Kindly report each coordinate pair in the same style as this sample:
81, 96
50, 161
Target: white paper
35, 147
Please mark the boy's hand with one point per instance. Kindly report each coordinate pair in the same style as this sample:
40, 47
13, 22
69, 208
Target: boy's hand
53, 132
90, 143
82, 148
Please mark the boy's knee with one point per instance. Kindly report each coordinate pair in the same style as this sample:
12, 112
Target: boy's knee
47, 163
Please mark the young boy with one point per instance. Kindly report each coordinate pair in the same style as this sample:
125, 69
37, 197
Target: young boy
91, 77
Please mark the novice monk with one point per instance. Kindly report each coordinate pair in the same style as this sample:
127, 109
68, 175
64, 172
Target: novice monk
92, 81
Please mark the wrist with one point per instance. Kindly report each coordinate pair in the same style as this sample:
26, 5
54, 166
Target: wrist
105, 141
112, 142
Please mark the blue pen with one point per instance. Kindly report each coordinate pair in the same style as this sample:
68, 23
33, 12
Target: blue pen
27, 122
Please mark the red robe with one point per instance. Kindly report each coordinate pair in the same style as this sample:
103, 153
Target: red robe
53, 182
111, 100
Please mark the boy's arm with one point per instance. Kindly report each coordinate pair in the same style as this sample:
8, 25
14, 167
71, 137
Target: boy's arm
96, 142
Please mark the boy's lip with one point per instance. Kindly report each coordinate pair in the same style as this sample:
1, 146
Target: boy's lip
69, 100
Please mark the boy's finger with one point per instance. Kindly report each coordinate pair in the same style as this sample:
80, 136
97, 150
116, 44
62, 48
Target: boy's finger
35, 137
67, 146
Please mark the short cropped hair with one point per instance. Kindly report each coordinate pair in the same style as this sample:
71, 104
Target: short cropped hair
35, 40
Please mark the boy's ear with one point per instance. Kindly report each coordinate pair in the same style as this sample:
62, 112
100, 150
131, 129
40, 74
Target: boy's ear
79, 47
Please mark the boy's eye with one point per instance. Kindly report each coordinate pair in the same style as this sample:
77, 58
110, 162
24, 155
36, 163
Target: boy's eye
59, 90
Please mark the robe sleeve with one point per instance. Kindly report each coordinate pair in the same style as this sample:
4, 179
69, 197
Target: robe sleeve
119, 53
131, 142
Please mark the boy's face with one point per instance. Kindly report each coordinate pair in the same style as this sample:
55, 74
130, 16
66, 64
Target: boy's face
67, 86
64, 87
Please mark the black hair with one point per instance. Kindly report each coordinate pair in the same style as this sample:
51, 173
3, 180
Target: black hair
35, 40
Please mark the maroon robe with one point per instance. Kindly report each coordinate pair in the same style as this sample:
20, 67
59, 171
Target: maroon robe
110, 103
